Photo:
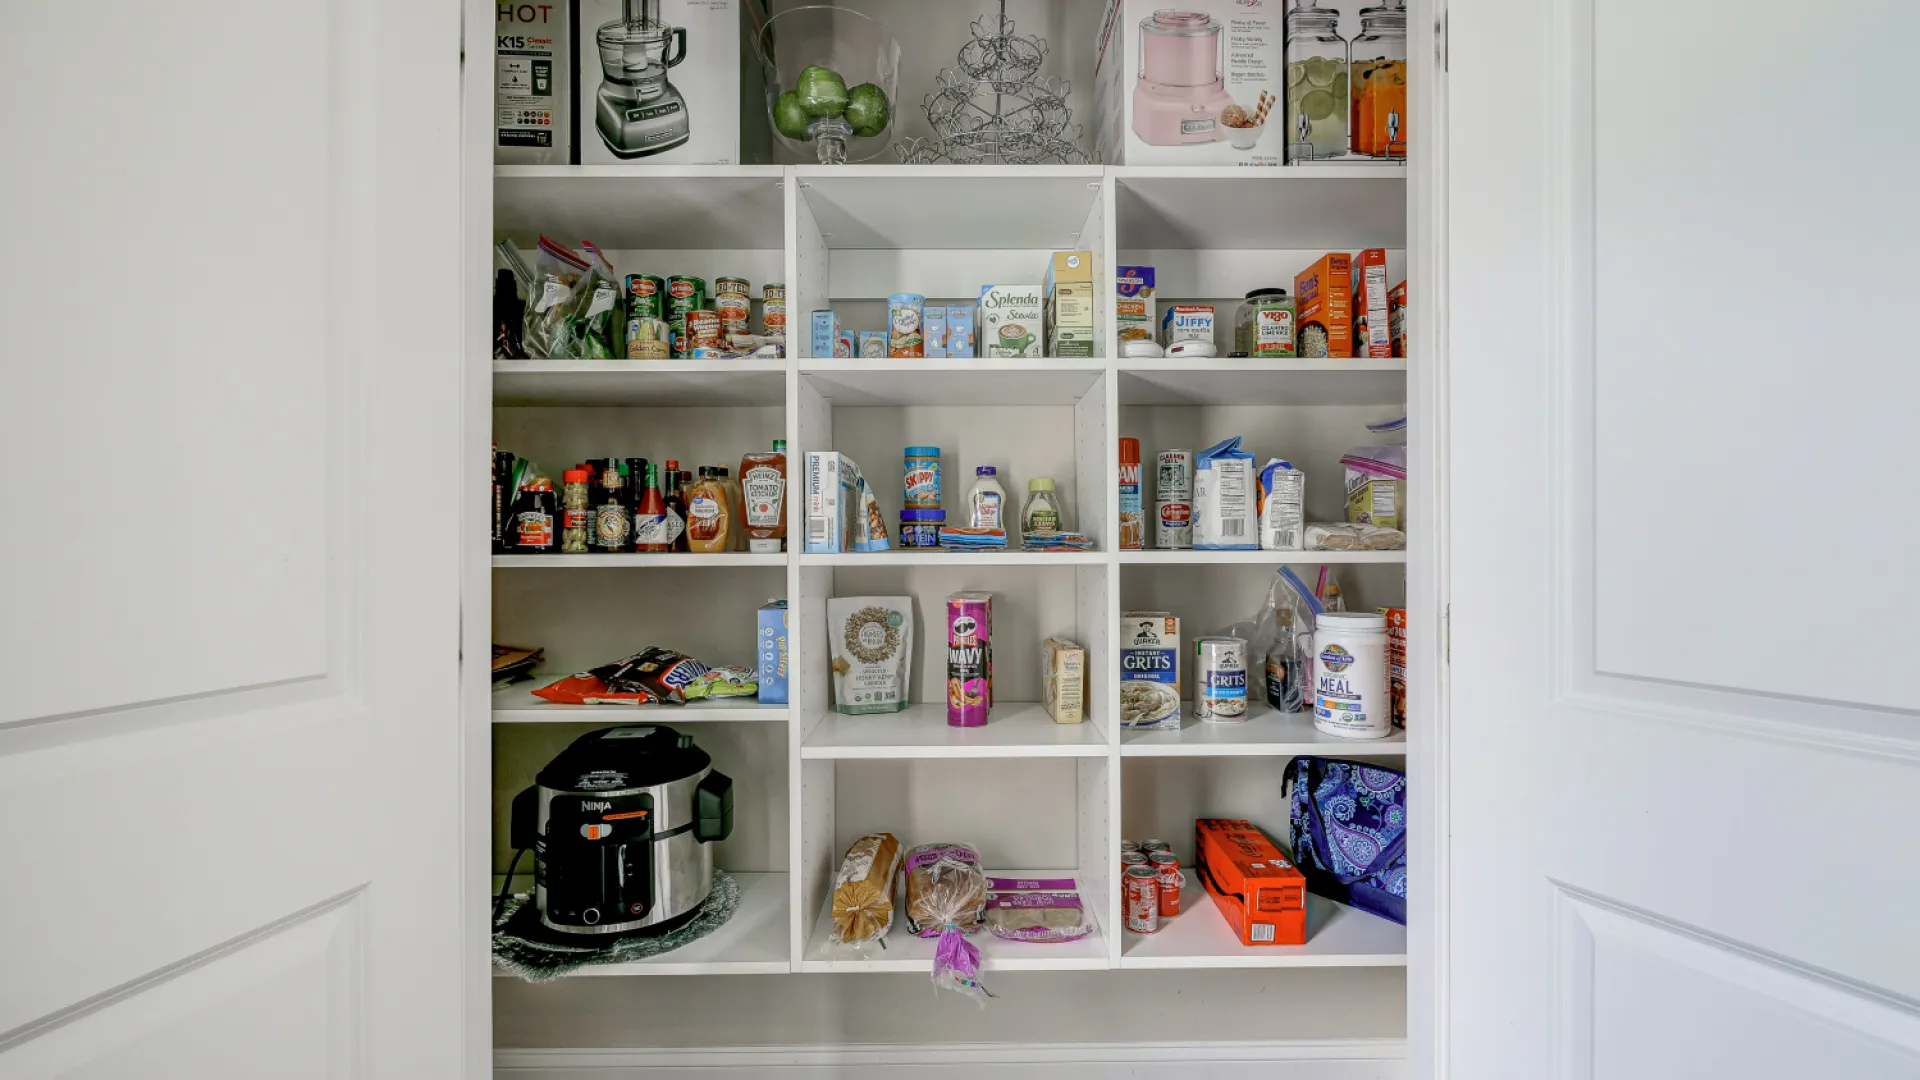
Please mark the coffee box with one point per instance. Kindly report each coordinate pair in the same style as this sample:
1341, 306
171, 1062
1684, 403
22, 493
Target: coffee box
770, 648
1012, 320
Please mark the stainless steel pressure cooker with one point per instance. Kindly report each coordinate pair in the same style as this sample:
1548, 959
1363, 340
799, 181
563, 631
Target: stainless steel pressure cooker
622, 826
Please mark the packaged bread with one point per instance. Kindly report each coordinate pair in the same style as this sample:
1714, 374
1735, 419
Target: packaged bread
863, 890
947, 898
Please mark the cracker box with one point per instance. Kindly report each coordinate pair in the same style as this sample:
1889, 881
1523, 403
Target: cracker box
1323, 298
532, 89
1135, 311
833, 498
1150, 671
1063, 672
770, 648
1258, 890
1396, 662
1372, 326
1069, 304
1011, 320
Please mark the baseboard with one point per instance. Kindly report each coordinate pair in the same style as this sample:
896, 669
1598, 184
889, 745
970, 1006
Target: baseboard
1348, 1059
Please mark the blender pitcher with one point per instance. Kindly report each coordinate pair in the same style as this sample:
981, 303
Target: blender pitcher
638, 111
1181, 90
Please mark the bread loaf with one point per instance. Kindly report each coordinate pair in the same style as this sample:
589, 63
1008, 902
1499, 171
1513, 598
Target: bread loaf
863, 889
945, 887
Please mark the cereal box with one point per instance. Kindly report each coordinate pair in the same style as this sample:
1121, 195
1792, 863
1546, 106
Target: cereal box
1150, 671
1011, 320
770, 647
1396, 662
1397, 319
1135, 311
1372, 333
1323, 295
1063, 673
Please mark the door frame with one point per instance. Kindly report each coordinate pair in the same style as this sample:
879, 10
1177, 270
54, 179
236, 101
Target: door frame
476, 544
1429, 591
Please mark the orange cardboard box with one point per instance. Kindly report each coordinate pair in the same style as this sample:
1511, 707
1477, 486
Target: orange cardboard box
1397, 318
1257, 889
1323, 300
1372, 324
1396, 662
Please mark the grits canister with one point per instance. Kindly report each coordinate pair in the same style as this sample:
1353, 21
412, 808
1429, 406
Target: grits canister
1220, 679
1350, 675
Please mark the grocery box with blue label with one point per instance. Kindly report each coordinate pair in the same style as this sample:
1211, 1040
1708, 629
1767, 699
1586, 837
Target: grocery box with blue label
1150, 671
770, 650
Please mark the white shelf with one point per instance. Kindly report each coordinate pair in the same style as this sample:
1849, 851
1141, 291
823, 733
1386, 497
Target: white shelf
904, 952
753, 942
651, 207
906, 556
1199, 937
703, 383
1013, 730
516, 705
981, 381
1156, 557
1247, 381
1335, 207
677, 559
1265, 734
1024, 207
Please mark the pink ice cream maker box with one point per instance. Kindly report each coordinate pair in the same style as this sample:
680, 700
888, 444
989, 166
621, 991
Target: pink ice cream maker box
969, 658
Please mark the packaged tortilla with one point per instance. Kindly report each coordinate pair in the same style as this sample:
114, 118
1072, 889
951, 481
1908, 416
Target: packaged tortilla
863, 890
1036, 909
946, 898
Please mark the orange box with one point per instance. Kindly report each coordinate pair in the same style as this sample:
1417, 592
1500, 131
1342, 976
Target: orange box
1396, 662
1323, 300
1372, 323
1257, 889
1397, 318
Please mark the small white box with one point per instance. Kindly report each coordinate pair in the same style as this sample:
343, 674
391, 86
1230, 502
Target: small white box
1187, 322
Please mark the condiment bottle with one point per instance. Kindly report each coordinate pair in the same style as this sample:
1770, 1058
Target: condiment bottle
676, 500
612, 516
650, 527
533, 518
738, 539
1042, 513
985, 501
576, 522
763, 484
710, 513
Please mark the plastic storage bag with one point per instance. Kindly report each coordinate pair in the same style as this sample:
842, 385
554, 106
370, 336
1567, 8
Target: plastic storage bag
558, 271
1281, 634
947, 898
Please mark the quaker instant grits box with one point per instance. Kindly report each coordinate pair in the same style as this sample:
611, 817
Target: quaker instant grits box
1150, 671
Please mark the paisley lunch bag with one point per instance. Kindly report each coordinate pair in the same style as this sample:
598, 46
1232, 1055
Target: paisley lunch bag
1349, 833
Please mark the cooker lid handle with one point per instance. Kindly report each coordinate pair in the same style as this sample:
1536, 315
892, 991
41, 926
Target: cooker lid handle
713, 808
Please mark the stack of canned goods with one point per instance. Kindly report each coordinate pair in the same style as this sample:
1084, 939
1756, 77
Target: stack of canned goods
1150, 874
675, 317
1173, 500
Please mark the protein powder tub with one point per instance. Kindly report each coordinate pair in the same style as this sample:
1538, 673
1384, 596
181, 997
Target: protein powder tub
1350, 675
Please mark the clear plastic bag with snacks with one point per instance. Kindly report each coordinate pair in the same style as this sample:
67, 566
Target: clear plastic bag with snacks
863, 890
558, 271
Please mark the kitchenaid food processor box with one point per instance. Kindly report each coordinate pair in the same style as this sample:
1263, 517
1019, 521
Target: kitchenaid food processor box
659, 82
1197, 84
532, 90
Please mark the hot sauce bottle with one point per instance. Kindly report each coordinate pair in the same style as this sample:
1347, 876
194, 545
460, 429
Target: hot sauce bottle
650, 515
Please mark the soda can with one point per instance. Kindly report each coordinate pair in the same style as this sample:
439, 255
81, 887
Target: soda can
1175, 531
1220, 680
1148, 847
1129, 845
646, 297
1166, 868
1173, 476
1132, 858
1143, 900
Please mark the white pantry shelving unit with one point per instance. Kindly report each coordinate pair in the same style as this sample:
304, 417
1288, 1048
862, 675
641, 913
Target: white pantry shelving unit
1038, 797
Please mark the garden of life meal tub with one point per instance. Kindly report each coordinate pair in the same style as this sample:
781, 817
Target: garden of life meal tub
1150, 671
1010, 322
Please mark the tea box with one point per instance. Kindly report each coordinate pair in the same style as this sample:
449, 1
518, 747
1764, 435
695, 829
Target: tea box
1070, 304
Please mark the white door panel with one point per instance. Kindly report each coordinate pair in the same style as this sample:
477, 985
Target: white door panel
1685, 745
229, 751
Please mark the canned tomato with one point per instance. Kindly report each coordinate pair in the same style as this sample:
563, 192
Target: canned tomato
684, 294
1175, 529
646, 297
773, 310
1173, 476
1220, 679
1148, 847
1166, 869
703, 330
1143, 900
733, 299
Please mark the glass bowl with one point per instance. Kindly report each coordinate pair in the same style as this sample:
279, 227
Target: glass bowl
842, 69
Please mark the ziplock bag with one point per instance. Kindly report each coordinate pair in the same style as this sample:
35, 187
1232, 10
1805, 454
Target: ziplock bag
1281, 634
557, 271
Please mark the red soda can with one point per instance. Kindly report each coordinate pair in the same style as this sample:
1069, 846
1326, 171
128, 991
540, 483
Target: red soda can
1166, 868
1132, 858
1143, 899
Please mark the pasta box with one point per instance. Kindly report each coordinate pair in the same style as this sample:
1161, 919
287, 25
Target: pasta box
1258, 890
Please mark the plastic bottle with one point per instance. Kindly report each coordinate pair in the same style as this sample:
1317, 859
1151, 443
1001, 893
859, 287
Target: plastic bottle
710, 513
1042, 512
576, 518
650, 529
763, 483
612, 514
676, 502
986, 500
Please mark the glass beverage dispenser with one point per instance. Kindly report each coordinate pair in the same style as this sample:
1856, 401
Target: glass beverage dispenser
1316, 113
1379, 116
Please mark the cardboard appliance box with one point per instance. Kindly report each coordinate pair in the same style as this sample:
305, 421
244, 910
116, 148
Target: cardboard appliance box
1258, 890
1134, 127
533, 86
721, 106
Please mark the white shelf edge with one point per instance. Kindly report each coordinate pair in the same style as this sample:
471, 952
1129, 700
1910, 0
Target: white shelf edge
899, 556
638, 172
1208, 929
920, 732
1090, 953
517, 705
762, 914
673, 559
1158, 557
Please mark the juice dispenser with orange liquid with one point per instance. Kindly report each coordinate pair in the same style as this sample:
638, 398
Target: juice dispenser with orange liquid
1378, 122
